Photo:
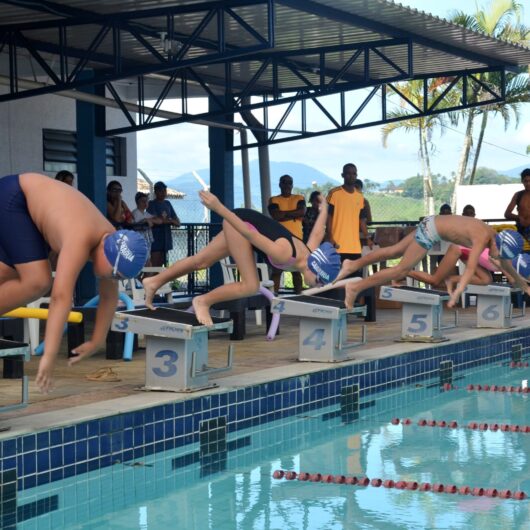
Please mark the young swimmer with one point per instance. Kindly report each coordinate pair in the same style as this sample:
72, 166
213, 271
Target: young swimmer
465, 231
245, 231
39, 214
444, 271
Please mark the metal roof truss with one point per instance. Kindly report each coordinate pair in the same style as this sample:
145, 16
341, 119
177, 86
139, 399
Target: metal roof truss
454, 91
160, 50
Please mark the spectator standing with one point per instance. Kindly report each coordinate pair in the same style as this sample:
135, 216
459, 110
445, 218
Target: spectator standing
311, 213
521, 201
468, 211
65, 176
145, 220
445, 209
162, 236
288, 210
347, 217
118, 212
359, 186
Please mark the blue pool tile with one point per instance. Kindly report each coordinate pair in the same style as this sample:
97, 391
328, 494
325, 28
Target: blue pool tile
56, 457
93, 448
68, 434
29, 443
81, 450
81, 431
43, 478
30, 481
43, 460
138, 418
29, 463
93, 428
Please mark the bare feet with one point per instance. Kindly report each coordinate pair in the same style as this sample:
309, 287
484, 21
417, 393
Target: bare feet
351, 294
202, 311
150, 291
450, 285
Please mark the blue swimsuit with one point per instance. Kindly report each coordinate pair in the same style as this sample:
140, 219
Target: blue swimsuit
20, 239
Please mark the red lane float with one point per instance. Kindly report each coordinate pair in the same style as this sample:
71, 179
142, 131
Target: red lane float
473, 425
496, 388
450, 489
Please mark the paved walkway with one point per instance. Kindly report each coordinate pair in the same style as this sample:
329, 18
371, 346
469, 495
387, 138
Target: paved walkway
255, 360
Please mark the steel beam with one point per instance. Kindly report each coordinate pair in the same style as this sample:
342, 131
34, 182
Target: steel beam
130, 29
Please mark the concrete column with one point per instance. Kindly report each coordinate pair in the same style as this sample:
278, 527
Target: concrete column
91, 172
221, 143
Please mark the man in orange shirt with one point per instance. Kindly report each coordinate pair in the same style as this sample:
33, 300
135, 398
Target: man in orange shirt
289, 210
347, 217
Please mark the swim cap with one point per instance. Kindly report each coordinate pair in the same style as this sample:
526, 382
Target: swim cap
324, 262
522, 265
509, 243
126, 251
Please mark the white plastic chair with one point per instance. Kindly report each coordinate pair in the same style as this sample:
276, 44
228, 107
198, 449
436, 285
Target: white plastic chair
134, 288
32, 325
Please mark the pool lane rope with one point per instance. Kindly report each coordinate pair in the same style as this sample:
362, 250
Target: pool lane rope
473, 425
410, 485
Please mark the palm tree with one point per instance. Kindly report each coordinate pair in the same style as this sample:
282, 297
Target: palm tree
501, 20
424, 127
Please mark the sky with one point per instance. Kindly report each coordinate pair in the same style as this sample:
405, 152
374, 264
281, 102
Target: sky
168, 152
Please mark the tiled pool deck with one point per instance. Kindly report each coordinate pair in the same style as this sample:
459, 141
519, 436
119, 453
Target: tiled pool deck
90, 425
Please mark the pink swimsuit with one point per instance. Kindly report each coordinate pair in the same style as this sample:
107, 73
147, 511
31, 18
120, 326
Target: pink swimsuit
483, 260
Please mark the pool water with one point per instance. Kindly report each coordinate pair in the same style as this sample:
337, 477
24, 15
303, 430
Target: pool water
233, 488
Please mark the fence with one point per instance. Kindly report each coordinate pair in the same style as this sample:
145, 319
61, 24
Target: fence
188, 239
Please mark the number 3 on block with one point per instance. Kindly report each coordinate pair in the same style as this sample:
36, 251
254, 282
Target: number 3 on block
316, 339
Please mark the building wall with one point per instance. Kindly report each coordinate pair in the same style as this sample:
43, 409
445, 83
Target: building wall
21, 125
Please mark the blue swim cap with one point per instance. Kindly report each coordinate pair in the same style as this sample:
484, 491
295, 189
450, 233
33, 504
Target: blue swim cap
324, 262
522, 265
126, 251
509, 243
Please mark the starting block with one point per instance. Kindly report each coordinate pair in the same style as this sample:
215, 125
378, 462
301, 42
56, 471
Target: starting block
323, 326
176, 357
421, 315
16, 350
494, 305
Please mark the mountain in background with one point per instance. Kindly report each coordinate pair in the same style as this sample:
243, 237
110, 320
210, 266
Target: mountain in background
515, 172
303, 176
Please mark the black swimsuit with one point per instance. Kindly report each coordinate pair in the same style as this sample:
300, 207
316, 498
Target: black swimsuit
269, 228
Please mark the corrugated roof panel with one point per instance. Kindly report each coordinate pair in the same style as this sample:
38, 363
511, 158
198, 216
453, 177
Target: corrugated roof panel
439, 46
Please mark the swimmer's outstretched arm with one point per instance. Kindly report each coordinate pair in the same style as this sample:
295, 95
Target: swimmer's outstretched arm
513, 276
341, 283
278, 253
319, 229
108, 300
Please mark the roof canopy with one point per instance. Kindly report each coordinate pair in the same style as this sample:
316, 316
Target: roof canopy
243, 55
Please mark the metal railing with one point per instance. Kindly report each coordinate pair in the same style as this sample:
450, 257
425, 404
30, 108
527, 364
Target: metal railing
188, 240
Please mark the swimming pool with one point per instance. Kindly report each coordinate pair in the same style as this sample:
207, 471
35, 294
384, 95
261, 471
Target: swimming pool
224, 481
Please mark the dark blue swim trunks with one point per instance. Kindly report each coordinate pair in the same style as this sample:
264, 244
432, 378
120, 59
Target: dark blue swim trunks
20, 239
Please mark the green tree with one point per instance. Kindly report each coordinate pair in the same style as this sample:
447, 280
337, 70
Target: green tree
501, 20
424, 127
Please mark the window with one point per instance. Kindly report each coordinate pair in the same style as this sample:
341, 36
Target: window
60, 152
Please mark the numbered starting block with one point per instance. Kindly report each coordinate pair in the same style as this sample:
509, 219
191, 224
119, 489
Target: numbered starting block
15, 351
494, 305
422, 312
323, 326
176, 357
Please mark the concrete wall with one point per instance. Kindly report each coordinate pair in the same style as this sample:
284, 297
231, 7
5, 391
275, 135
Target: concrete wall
21, 125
